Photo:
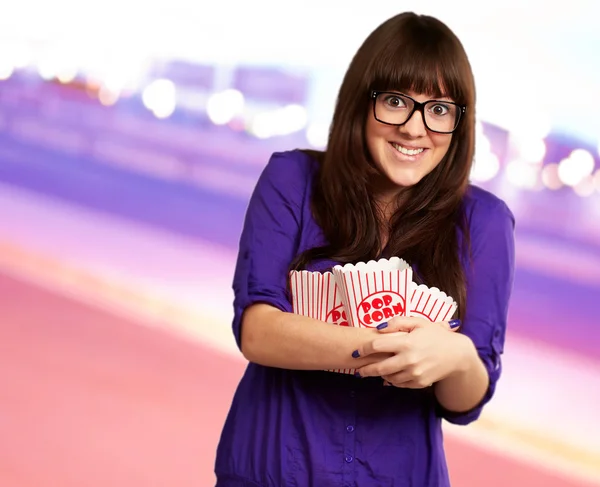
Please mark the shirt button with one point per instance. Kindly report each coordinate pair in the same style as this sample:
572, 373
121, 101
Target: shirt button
349, 458
352, 393
349, 428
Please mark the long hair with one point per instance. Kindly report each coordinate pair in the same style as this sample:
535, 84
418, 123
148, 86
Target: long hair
428, 229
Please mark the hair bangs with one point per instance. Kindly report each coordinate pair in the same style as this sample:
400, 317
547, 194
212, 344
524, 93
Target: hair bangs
430, 67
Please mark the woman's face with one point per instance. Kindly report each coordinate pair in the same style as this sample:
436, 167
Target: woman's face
405, 154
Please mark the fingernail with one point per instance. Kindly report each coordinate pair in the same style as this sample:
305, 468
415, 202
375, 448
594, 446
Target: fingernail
355, 354
383, 325
356, 374
454, 323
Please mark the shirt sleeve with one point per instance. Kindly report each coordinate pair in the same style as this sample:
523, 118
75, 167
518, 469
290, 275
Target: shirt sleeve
489, 286
270, 235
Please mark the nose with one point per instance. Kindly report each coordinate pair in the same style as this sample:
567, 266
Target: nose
415, 125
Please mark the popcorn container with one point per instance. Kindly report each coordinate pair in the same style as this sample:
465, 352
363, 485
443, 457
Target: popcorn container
431, 303
317, 295
375, 291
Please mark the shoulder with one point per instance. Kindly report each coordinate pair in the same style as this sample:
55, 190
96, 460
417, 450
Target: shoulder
491, 226
293, 168
285, 182
482, 206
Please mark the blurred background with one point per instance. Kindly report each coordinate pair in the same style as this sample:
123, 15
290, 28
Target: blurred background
131, 136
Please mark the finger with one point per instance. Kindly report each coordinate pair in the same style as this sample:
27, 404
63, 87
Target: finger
391, 327
385, 367
406, 380
454, 325
413, 384
401, 323
388, 344
399, 378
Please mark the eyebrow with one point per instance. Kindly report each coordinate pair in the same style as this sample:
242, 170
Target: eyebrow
435, 98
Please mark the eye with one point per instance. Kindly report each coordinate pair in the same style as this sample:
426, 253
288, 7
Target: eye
439, 109
394, 101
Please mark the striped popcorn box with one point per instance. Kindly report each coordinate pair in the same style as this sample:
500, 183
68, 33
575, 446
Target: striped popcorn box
331, 302
375, 291
431, 303
306, 287
317, 295
336, 313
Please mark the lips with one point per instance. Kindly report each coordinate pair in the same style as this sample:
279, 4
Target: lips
407, 151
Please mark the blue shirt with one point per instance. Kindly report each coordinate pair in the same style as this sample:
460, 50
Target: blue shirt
325, 429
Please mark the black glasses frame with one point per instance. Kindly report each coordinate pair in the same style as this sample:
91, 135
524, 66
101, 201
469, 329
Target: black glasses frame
417, 106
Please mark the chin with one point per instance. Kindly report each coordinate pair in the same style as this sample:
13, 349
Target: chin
405, 180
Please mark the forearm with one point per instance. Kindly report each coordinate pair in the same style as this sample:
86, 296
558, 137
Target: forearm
273, 338
465, 388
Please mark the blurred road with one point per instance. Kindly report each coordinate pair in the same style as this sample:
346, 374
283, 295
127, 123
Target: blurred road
118, 238
91, 398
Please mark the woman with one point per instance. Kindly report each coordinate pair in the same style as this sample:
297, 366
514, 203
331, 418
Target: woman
393, 181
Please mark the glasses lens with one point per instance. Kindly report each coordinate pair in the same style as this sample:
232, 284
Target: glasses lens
394, 109
440, 116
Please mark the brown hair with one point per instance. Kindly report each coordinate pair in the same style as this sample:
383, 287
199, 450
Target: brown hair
407, 52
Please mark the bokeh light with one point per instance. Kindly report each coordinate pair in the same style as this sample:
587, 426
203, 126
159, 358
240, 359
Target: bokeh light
223, 107
573, 169
160, 97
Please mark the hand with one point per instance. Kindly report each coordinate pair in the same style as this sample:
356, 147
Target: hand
422, 352
409, 323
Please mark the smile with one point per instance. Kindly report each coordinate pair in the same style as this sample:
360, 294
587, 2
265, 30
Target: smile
406, 151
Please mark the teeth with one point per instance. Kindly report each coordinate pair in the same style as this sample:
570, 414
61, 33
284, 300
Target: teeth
408, 152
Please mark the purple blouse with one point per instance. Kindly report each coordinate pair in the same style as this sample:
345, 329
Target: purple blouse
325, 429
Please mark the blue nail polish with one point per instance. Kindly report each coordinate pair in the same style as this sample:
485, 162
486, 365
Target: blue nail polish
454, 323
356, 374
383, 325
355, 354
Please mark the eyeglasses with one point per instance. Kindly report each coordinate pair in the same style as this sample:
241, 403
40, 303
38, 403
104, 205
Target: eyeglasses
394, 108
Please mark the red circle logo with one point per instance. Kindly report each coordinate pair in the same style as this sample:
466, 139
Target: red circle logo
337, 316
380, 306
